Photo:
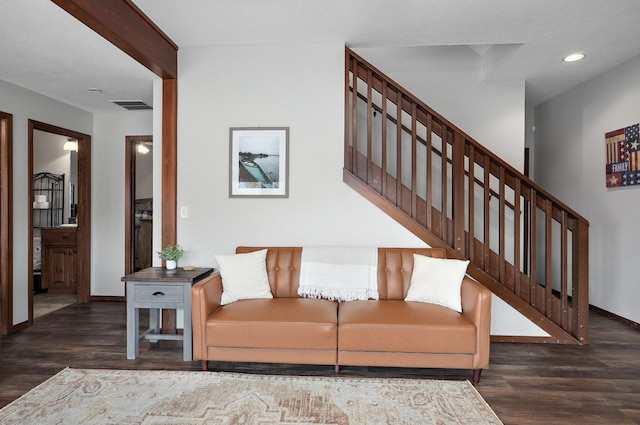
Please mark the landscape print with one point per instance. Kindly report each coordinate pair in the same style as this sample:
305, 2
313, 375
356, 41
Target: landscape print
259, 162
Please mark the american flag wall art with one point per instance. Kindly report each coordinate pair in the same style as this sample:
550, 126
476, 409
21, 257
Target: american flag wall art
623, 156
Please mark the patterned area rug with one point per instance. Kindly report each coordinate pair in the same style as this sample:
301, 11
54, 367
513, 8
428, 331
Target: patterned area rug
79, 396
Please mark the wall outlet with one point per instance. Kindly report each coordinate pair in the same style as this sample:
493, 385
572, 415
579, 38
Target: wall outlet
184, 212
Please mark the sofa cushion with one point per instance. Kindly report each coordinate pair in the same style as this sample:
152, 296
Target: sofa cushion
437, 281
279, 323
244, 276
403, 326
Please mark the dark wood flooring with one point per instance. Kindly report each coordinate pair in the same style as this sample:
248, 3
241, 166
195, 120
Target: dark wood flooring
526, 384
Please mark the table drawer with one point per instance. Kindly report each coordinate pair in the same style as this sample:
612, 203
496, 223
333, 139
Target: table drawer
158, 294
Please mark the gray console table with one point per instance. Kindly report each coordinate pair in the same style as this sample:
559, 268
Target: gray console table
157, 288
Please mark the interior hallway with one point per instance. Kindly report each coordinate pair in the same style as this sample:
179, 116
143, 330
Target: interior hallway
44, 303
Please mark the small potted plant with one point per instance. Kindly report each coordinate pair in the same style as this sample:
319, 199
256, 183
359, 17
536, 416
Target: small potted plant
171, 254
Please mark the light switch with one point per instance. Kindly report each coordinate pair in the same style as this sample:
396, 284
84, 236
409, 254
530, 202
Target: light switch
184, 212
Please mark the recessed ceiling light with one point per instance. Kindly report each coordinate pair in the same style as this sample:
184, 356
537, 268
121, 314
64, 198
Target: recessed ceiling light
573, 57
94, 90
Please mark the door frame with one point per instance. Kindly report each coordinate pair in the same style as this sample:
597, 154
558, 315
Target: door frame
130, 199
83, 263
6, 223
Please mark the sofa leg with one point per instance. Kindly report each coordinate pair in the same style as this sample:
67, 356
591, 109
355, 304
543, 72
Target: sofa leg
337, 368
204, 365
476, 375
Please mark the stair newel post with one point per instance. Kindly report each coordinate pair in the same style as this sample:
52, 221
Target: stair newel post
458, 193
580, 278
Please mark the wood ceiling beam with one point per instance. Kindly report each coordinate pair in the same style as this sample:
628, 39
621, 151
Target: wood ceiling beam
124, 25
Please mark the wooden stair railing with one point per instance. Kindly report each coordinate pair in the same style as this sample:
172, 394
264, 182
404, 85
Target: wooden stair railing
525, 245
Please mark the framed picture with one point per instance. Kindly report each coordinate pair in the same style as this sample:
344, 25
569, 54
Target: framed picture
259, 162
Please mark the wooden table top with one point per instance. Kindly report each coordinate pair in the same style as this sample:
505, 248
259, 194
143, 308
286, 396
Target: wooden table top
161, 274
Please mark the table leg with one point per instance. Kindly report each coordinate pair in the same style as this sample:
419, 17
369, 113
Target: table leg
133, 326
187, 343
187, 334
154, 322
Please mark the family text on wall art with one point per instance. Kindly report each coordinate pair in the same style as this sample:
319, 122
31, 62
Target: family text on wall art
623, 156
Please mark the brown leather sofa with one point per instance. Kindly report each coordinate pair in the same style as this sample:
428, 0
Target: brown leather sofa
385, 332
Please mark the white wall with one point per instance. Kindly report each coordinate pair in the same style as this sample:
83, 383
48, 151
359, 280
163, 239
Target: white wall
107, 196
448, 79
24, 105
570, 161
295, 86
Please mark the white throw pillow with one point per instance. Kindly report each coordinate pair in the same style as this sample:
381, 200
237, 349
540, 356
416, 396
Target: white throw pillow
437, 281
244, 276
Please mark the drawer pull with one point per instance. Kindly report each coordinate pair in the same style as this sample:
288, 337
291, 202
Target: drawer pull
158, 294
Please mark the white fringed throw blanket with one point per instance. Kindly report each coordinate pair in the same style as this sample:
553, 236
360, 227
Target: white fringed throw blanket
339, 273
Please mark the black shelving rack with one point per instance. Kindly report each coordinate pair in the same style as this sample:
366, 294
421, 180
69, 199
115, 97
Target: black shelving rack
52, 187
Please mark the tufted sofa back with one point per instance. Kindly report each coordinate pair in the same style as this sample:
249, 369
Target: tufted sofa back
395, 266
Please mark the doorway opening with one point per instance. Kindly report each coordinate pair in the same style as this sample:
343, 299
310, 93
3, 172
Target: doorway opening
138, 203
60, 215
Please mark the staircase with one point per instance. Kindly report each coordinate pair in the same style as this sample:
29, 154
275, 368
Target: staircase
526, 246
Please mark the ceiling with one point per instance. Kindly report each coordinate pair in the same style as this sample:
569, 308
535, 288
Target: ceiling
47, 51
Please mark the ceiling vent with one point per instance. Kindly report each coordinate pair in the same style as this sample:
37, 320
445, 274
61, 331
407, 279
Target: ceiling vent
132, 105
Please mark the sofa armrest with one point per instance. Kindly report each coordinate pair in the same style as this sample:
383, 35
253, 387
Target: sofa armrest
205, 299
476, 307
